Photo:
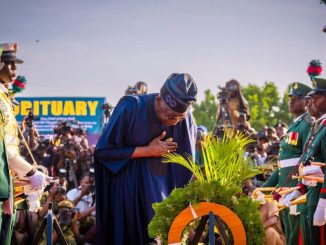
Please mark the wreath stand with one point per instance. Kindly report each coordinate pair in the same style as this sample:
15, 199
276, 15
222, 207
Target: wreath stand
213, 212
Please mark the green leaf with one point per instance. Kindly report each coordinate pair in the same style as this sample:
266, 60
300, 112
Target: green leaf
223, 161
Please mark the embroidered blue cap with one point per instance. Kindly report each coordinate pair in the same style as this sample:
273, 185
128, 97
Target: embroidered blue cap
179, 91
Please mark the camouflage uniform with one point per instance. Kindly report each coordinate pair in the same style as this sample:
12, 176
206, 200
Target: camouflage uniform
66, 228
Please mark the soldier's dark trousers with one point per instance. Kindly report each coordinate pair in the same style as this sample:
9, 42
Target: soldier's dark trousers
304, 225
317, 233
5, 226
291, 225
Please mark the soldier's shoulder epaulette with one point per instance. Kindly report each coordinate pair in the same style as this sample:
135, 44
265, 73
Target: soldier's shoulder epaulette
308, 119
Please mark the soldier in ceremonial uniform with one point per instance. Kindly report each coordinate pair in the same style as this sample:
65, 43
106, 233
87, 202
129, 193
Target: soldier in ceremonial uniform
4, 169
315, 151
291, 148
17, 165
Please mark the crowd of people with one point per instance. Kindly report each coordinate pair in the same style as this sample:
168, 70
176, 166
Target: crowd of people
68, 158
103, 194
56, 173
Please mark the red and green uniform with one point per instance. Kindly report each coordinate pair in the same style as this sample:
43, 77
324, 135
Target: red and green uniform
316, 151
291, 149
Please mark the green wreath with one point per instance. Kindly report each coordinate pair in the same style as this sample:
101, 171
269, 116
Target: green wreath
219, 182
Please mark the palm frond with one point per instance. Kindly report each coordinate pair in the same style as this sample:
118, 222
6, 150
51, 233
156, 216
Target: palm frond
223, 161
185, 161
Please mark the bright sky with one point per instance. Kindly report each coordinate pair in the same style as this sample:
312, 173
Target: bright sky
99, 47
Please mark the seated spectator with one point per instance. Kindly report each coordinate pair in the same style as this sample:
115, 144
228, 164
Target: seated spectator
68, 217
281, 129
260, 156
272, 224
271, 135
261, 148
66, 214
55, 195
82, 197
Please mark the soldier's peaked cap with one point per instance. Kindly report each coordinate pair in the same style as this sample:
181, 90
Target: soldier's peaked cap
9, 51
299, 89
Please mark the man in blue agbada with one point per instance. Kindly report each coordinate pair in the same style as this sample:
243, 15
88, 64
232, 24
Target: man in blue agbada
130, 175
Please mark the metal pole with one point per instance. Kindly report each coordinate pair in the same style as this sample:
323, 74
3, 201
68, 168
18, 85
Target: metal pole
49, 226
211, 229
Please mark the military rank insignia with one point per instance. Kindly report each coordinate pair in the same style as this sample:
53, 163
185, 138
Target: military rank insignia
292, 138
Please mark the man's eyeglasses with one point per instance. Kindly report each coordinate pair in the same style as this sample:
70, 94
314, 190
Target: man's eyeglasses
177, 117
172, 116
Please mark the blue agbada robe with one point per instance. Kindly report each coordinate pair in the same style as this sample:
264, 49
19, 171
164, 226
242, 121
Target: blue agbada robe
125, 187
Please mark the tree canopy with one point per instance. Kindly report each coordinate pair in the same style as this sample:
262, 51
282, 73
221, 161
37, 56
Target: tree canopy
266, 106
205, 111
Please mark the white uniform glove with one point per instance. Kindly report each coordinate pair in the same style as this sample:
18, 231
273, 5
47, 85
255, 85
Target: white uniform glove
309, 182
320, 213
307, 170
293, 210
33, 200
39, 180
260, 196
34, 206
286, 200
29, 190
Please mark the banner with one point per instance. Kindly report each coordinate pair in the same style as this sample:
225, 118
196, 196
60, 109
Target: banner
48, 111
